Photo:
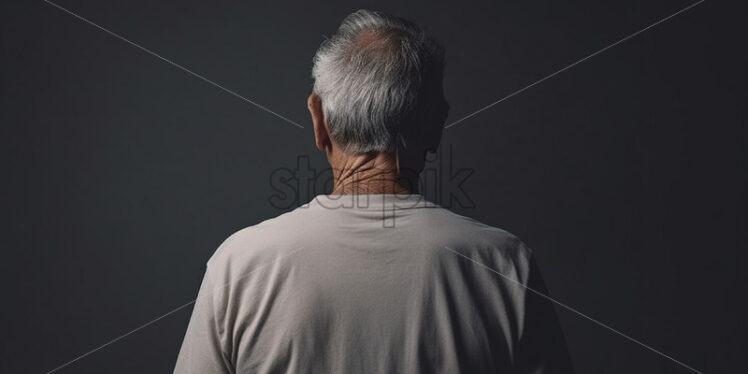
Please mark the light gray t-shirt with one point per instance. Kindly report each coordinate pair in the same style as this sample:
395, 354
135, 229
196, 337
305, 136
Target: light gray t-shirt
372, 284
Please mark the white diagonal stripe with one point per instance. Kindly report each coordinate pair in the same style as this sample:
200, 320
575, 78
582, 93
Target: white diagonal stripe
166, 315
572, 310
567, 67
144, 49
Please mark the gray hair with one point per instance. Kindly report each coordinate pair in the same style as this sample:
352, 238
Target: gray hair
376, 76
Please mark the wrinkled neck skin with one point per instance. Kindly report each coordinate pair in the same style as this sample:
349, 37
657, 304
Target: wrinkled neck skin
369, 173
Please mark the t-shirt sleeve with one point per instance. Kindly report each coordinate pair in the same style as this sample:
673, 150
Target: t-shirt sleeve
542, 346
202, 350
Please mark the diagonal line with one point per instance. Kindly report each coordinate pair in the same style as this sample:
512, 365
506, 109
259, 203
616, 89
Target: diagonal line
174, 64
573, 310
122, 336
167, 314
573, 64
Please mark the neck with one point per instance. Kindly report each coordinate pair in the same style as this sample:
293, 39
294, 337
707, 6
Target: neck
367, 174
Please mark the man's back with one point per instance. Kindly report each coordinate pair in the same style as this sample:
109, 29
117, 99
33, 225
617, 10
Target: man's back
372, 284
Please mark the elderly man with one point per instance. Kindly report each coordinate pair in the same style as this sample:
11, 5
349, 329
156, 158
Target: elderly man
330, 287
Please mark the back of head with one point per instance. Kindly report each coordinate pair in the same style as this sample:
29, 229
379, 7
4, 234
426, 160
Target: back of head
379, 78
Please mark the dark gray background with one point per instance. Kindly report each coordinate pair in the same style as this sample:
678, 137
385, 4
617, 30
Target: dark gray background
121, 174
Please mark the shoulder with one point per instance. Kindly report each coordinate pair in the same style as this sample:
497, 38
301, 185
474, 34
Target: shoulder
462, 238
270, 239
456, 230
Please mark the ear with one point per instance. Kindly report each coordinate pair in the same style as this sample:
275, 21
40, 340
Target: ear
321, 135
